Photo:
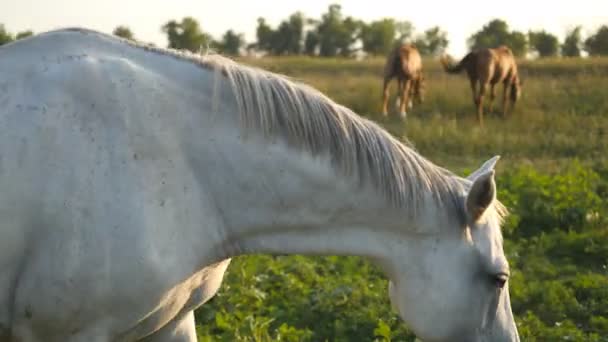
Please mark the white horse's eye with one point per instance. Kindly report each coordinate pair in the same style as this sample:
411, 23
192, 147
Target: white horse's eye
500, 280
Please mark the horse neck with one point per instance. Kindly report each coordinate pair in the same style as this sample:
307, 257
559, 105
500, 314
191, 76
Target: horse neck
288, 202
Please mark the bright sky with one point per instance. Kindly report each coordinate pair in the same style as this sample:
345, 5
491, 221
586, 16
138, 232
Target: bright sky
145, 17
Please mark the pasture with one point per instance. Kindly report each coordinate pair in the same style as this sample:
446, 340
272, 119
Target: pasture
553, 176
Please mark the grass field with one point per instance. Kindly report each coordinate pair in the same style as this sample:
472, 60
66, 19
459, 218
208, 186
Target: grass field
553, 175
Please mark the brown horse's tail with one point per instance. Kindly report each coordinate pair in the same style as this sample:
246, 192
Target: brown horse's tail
450, 68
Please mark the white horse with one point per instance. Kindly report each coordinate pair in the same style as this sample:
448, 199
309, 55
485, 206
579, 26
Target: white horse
130, 175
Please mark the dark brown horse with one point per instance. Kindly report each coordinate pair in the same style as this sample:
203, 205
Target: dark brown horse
488, 67
405, 64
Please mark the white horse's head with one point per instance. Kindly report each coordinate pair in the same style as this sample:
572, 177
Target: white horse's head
457, 290
448, 272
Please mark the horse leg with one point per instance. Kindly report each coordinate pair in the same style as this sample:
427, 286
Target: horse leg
412, 93
505, 101
385, 94
477, 97
405, 97
482, 91
474, 90
492, 97
417, 89
180, 329
399, 91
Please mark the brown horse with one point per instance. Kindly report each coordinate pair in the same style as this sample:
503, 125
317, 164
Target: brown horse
405, 64
487, 67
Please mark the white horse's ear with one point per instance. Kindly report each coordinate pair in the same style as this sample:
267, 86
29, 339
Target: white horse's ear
481, 195
487, 166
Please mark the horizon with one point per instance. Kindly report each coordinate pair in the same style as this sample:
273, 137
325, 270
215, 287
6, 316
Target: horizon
217, 18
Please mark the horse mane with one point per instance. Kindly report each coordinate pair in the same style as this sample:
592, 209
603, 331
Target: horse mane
278, 107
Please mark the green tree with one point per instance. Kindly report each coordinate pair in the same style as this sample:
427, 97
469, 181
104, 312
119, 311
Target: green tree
518, 42
264, 34
123, 32
311, 43
337, 34
405, 30
497, 33
572, 43
289, 36
349, 35
378, 37
287, 39
493, 34
597, 44
231, 43
5, 36
433, 42
544, 43
329, 31
24, 34
187, 34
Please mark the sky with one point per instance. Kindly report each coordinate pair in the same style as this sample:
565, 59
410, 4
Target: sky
459, 18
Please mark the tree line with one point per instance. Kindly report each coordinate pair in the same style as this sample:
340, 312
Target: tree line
335, 34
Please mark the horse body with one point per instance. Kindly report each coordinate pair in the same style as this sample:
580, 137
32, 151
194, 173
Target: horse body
404, 64
93, 174
486, 68
130, 176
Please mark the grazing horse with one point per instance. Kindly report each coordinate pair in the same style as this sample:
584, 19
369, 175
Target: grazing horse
130, 175
487, 67
404, 64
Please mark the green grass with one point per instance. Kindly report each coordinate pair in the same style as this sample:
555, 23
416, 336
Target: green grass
553, 176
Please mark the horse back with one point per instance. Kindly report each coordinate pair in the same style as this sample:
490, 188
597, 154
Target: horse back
504, 60
403, 61
411, 63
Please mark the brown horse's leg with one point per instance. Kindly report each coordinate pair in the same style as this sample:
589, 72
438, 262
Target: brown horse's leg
505, 102
418, 91
399, 96
475, 96
482, 91
412, 94
492, 96
385, 93
474, 90
405, 97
